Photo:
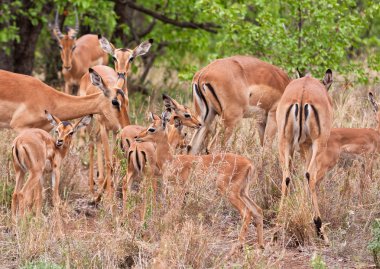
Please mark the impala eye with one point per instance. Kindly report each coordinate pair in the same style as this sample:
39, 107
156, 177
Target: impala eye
188, 116
115, 102
151, 130
73, 48
71, 133
114, 58
60, 47
131, 59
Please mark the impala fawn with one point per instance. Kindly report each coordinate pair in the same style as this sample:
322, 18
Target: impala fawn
234, 173
36, 151
141, 154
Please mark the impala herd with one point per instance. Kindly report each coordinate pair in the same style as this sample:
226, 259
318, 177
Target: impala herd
237, 87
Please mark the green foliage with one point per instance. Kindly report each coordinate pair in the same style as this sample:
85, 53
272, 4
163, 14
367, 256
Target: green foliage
374, 244
317, 262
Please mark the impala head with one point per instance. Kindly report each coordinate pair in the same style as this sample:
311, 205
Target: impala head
115, 108
64, 130
124, 57
375, 107
156, 130
66, 41
180, 113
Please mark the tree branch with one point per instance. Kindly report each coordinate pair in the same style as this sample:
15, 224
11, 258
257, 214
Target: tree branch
207, 26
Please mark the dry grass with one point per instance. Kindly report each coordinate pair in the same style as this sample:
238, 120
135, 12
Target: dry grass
200, 232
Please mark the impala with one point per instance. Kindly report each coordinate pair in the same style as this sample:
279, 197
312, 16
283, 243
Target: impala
35, 151
141, 154
304, 118
116, 79
24, 99
234, 88
357, 141
234, 173
77, 55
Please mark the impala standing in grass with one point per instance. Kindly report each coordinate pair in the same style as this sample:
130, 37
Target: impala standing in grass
304, 119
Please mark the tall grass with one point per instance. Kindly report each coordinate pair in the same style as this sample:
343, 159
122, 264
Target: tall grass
201, 231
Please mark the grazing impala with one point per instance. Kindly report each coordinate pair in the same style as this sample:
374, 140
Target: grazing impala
356, 141
234, 88
116, 79
304, 119
77, 55
35, 151
234, 173
24, 99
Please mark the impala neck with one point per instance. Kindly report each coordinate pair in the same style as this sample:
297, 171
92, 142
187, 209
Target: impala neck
67, 107
163, 153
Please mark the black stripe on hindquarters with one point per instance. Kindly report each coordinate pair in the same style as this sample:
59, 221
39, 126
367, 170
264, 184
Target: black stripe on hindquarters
138, 160
215, 96
317, 119
287, 116
200, 95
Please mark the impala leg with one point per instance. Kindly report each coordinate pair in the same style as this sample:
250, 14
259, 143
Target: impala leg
270, 129
56, 177
311, 175
258, 218
200, 135
91, 182
244, 212
127, 186
108, 161
38, 195
27, 191
19, 182
67, 88
285, 152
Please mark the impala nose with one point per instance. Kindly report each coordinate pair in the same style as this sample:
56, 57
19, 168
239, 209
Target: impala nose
59, 143
67, 67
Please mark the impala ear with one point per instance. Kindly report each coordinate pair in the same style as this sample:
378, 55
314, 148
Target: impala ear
328, 79
97, 81
178, 123
52, 119
373, 102
106, 45
165, 117
153, 117
169, 102
83, 122
142, 49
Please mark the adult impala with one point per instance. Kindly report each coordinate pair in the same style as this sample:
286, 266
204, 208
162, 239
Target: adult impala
234, 88
234, 173
117, 79
77, 55
24, 99
304, 119
35, 151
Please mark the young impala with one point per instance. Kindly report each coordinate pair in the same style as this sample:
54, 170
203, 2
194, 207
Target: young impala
35, 151
357, 141
234, 88
116, 79
77, 55
141, 154
234, 173
304, 119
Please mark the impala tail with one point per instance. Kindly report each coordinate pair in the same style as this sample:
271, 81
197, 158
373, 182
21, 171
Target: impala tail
18, 151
